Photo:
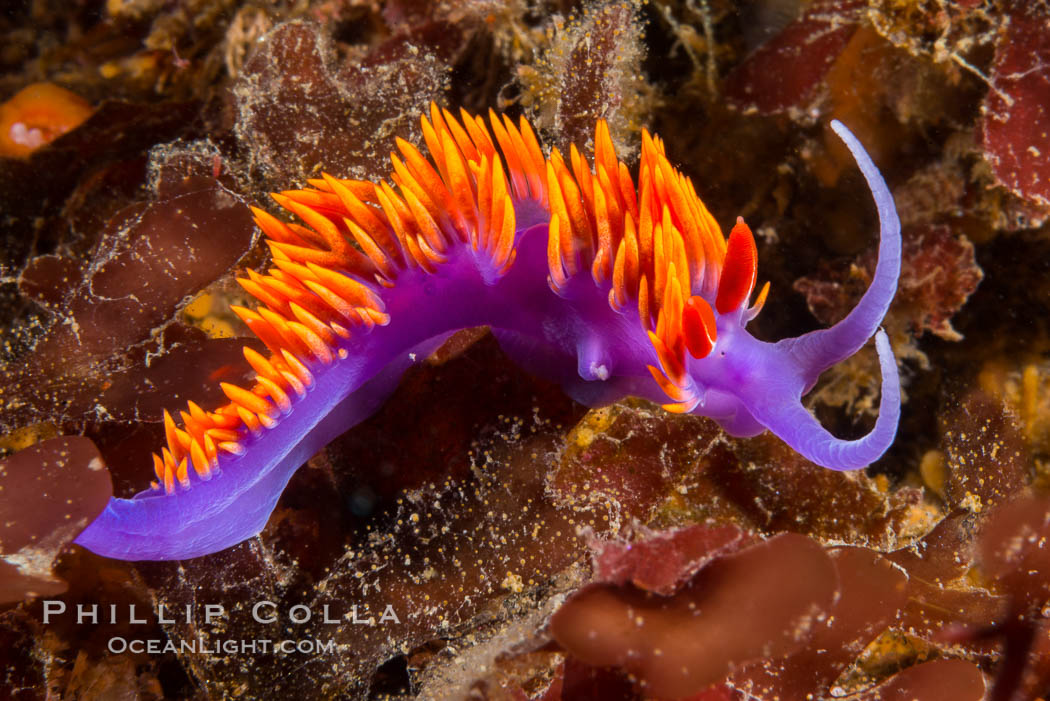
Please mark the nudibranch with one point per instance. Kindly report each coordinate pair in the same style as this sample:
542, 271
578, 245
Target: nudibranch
608, 285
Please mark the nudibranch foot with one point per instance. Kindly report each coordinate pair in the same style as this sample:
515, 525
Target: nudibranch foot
234, 503
607, 284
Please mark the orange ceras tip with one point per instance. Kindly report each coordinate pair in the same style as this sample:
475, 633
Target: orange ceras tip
698, 327
739, 270
37, 115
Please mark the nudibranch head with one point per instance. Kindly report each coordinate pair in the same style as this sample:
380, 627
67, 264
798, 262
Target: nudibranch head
711, 366
606, 284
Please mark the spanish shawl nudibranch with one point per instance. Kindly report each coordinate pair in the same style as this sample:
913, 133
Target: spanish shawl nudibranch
608, 287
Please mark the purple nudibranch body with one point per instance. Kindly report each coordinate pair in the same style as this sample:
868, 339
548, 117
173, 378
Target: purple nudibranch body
609, 290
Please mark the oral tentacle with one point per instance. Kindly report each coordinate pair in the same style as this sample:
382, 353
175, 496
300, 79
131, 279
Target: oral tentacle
800, 429
819, 350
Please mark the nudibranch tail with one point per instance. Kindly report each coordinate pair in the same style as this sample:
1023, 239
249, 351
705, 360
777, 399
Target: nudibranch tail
201, 515
608, 285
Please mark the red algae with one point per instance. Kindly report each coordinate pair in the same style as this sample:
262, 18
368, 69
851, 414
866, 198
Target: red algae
944, 554
776, 490
1015, 551
25, 673
987, 456
934, 606
871, 593
49, 280
1015, 128
150, 257
48, 493
578, 681
660, 561
787, 71
761, 601
58, 199
615, 455
940, 680
939, 273
660, 470
186, 367
589, 73
301, 109
1014, 555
